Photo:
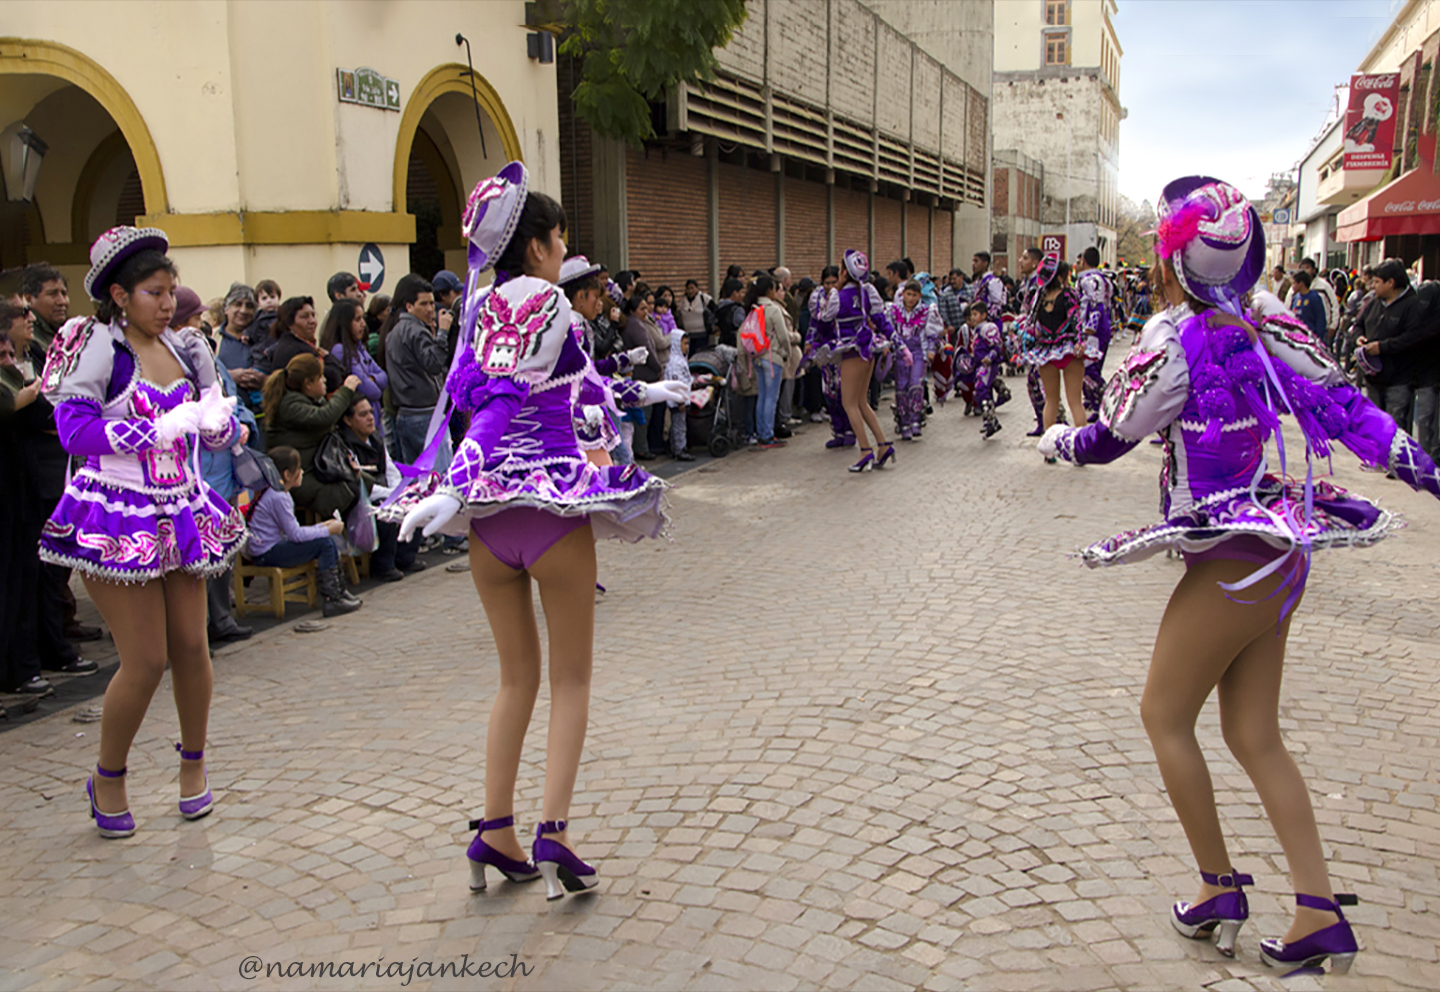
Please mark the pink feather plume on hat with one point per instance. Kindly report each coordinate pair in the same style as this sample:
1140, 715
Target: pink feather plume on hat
1181, 227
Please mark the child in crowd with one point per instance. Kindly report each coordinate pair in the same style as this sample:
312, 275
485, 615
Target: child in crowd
987, 351
278, 541
267, 295
677, 369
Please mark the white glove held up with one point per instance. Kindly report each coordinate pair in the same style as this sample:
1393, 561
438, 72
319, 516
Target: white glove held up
216, 409
431, 513
1049, 441
638, 356
172, 424
667, 391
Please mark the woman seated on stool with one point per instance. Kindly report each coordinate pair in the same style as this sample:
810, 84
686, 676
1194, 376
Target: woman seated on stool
278, 541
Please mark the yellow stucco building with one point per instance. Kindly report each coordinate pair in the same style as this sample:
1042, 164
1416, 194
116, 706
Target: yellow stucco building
239, 127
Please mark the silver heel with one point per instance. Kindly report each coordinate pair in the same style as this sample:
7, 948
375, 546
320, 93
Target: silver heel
477, 877
1340, 963
551, 873
1228, 931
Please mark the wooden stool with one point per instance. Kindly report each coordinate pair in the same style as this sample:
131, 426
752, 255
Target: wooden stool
287, 585
355, 567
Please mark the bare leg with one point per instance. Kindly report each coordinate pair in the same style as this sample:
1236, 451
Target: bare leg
1200, 636
566, 575
505, 594
1250, 717
136, 617
191, 675
855, 376
1074, 376
1050, 382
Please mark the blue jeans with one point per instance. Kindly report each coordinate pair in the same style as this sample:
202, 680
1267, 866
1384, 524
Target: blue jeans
288, 554
410, 431
768, 376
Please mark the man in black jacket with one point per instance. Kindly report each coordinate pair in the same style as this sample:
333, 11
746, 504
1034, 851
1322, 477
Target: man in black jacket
1403, 338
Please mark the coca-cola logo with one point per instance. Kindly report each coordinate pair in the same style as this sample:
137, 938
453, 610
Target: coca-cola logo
1412, 206
1375, 82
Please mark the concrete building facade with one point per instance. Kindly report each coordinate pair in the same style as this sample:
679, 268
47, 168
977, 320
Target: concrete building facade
252, 133
831, 124
1056, 98
1017, 189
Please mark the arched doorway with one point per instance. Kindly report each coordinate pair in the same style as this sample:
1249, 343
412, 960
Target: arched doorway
440, 157
100, 168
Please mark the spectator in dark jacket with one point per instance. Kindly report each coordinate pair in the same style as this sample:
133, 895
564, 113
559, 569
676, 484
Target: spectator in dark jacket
414, 345
393, 558
1402, 339
298, 415
294, 334
47, 293
729, 312
1307, 305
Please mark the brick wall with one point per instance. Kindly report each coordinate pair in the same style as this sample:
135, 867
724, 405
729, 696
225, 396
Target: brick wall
943, 259
747, 218
917, 235
1000, 193
852, 221
576, 191
887, 232
666, 216
805, 227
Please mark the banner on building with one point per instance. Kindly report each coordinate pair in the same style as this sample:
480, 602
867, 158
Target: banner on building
1370, 121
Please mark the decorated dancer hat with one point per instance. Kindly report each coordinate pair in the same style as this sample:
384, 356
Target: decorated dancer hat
577, 267
857, 264
1213, 237
493, 212
112, 248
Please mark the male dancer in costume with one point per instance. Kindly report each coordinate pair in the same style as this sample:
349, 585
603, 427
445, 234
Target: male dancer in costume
1095, 294
990, 291
1029, 295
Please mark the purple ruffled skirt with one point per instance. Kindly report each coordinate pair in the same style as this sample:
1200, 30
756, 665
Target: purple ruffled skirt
117, 533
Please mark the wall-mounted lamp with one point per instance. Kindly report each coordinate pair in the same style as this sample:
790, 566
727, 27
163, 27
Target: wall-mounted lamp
540, 45
27, 151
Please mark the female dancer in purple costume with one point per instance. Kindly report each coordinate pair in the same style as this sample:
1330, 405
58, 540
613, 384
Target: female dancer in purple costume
138, 522
1212, 378
1054, 343
522, 485
862, 333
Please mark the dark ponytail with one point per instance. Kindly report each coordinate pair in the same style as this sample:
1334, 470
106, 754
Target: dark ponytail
538, 218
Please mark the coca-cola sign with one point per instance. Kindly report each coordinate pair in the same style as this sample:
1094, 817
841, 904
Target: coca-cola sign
1370, 120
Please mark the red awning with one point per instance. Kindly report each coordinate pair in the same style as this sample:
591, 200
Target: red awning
1408, 205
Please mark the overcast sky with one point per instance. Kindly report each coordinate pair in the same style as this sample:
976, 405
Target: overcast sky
1235, 89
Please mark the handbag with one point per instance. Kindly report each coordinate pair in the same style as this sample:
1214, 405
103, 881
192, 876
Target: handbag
335, 462
360, 530
254, 471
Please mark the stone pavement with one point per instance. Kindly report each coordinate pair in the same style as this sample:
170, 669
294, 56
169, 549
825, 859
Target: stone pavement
862, 732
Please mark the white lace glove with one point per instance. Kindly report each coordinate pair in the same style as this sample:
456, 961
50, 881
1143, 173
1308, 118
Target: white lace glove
172, 424
638, 356
1049, 443
431, 513
216, 409
379, 494
667, 391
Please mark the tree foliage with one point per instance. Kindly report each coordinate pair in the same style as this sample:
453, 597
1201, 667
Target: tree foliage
1133, 235
633, 52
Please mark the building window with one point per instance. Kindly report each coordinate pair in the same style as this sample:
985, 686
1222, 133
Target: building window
1057, 48
1057, 13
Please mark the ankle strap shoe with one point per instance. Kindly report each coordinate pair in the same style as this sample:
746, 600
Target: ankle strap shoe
1336, 942
1220, 917
110, 825
194, 807
481, 854
559, 864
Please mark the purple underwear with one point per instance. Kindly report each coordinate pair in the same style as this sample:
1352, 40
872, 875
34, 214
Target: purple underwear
1244, 547
519, 537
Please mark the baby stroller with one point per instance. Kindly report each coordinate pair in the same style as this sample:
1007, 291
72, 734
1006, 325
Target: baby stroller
711, 425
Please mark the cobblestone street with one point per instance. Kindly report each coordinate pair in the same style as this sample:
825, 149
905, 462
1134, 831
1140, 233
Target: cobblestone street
864, 732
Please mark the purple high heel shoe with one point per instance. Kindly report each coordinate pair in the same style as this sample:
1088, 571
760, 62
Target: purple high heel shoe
194, 807
1220, 917
866, 462
111, 825
559, 864
1336, 942
482, 854
887, 455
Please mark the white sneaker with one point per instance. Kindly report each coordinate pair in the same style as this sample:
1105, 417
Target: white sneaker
817, 418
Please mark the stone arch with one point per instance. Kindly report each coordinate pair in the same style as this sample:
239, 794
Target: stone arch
449, 78
34, 56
